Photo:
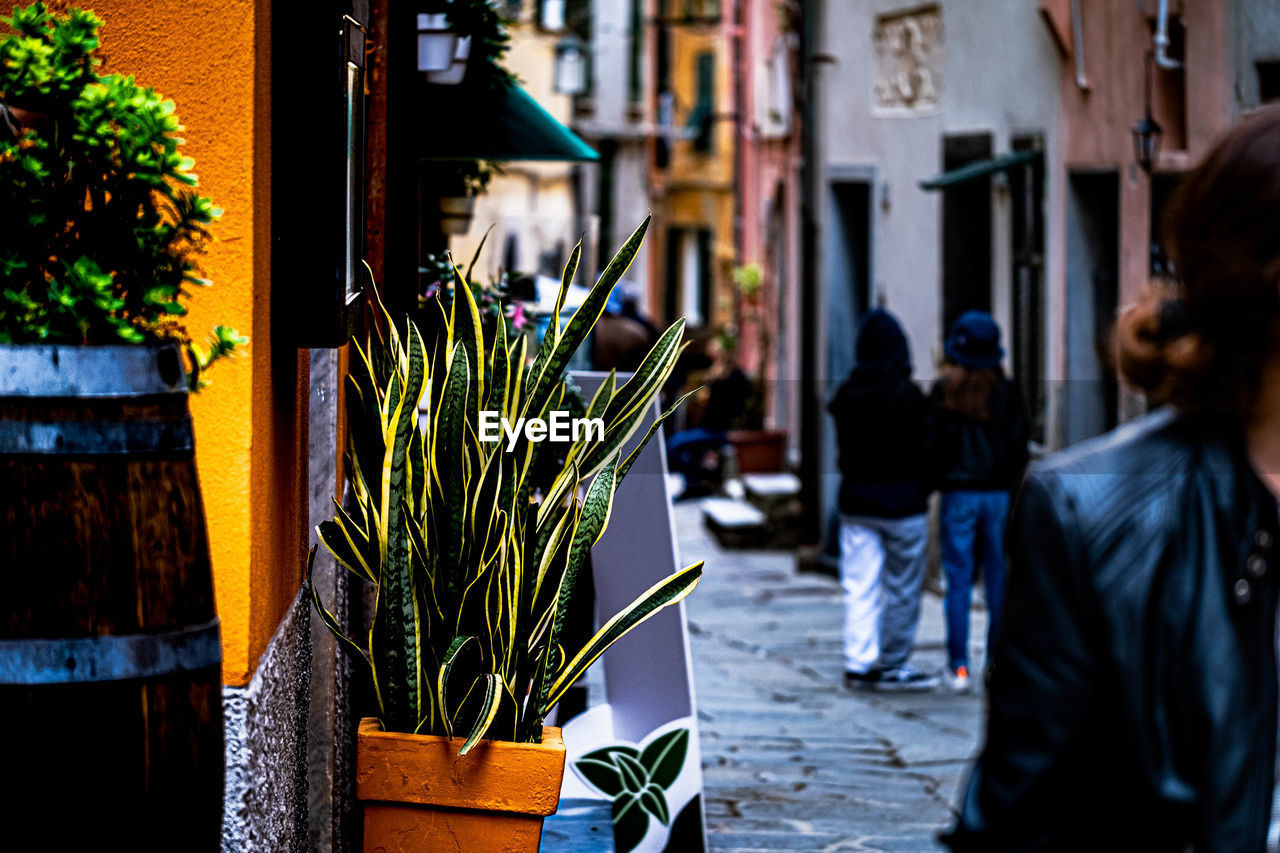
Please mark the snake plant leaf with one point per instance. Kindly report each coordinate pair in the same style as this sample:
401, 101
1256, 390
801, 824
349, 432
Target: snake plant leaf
489, 707
446, 459
499, 370
338, 540
582, 321
627, 409
596, 509
600, 402
450, 660
399, 622
468, 331
330, 621
662, 594
655, 804
551, 543
652, 431
664, 757
651, 373
552, 337
475, 257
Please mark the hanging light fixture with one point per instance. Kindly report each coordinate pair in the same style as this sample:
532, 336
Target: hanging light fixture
437, 42
1147, 132
571, 66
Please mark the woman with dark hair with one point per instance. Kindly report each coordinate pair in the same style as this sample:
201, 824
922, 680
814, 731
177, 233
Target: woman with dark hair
1133, 696
980, 449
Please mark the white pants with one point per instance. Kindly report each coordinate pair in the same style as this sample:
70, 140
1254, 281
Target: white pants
882, 571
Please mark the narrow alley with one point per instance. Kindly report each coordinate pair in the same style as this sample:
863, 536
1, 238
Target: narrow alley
792, 760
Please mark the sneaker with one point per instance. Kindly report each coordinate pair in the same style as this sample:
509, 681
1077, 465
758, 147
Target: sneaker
861, 680
905, 678
957, 679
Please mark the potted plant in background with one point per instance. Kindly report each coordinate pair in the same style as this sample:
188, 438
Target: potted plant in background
756, 448
109, 646
474, 578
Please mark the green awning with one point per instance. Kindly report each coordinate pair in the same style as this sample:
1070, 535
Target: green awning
467, 123
980, 169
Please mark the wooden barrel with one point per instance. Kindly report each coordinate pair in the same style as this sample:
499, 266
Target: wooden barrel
110, 657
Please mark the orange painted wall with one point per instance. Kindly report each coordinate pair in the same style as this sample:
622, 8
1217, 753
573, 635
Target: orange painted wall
212, 58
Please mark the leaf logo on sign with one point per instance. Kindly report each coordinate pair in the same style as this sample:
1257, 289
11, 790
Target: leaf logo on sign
637, 781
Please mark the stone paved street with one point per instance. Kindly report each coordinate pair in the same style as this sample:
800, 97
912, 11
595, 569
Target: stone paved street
792, 760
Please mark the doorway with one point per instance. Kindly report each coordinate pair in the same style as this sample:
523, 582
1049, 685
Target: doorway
1091, 394
966, 230
847, 262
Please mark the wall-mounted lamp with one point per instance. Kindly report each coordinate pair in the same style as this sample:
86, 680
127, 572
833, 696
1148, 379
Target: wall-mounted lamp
437, 42
454, 74
571, 66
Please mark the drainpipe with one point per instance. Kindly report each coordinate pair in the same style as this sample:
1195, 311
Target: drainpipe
1162, 38
811, 403
1077, 40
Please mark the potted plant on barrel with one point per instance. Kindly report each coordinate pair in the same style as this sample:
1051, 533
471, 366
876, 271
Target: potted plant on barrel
474, 574
109, 645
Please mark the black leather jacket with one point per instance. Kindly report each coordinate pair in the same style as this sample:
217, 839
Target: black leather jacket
1132, 701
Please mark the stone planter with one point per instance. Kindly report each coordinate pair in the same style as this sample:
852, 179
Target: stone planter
420, 796
760, 450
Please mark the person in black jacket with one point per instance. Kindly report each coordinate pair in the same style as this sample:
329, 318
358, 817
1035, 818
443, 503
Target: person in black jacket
1133, 695
980, 449
881, 422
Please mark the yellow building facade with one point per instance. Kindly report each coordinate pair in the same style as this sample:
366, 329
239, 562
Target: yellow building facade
692, 169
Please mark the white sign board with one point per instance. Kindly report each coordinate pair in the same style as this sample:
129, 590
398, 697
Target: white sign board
640, 749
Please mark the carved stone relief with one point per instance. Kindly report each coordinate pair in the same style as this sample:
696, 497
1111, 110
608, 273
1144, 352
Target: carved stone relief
908, 47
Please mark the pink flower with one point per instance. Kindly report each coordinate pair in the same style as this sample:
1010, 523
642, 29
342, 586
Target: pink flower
517, 316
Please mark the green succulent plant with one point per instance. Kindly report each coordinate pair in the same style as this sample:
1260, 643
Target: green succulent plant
101, 223
473, 578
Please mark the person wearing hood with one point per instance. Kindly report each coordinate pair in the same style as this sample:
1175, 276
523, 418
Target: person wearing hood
882, 428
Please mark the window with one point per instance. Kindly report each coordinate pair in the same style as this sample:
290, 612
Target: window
1162, 187
1268, 80
635, 46
703, 119
1026, 191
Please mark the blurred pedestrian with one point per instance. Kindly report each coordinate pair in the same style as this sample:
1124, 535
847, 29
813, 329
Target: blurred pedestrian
979, 442
1133, 697
618, 342
881, 422
694, 453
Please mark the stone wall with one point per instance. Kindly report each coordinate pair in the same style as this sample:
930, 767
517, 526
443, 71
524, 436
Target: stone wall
289, 733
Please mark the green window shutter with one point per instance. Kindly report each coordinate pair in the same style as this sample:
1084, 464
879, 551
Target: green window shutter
702, 121
635, 79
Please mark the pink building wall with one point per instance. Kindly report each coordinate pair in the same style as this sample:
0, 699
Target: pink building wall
1096, 122
769, 180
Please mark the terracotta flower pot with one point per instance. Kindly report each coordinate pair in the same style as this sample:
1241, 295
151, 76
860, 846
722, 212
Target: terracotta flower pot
420, 796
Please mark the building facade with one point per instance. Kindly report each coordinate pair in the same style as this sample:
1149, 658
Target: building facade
691, 163
767, 298
934, 129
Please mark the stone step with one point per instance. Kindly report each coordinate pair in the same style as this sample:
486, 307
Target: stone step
735, 523
771, 488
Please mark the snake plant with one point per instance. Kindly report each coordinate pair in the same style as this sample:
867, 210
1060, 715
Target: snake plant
474, 574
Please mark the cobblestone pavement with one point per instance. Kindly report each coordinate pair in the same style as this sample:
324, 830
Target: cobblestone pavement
792, 760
